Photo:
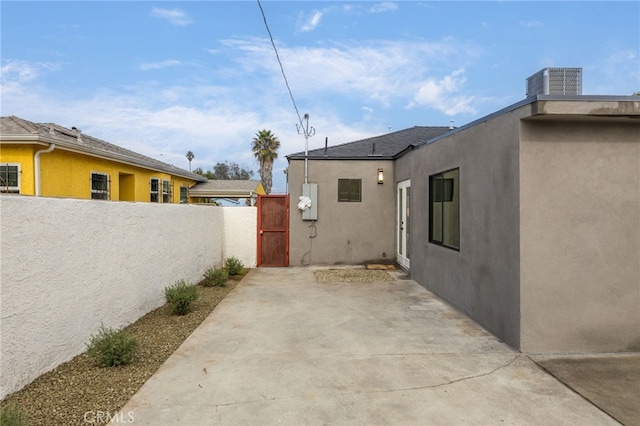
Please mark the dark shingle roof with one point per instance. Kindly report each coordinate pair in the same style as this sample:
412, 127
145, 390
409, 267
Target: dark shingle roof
387, 146
71, 139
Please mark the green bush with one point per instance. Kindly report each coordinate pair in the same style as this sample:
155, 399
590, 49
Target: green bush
180, 296
233, 265
10, 415
112, 348
215, 277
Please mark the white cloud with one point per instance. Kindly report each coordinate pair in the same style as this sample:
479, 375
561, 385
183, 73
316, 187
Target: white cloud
377, 71
19, 71
311, 22
216, 117
620, 66
383, 7
174, 16
158, 65
441, 94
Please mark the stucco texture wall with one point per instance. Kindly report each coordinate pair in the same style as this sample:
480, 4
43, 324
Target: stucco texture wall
345, 232
240, 239
481, 278
580, 236
69, 265
68, 174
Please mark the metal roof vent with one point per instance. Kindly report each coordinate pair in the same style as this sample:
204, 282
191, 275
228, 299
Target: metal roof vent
555, 81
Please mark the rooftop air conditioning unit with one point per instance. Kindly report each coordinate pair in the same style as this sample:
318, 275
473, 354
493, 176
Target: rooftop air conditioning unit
555, 81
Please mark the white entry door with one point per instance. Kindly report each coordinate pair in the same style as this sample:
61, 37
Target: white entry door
402, 226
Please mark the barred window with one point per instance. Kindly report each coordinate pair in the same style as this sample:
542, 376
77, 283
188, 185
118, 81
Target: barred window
184, 194
99, 186
166, 192
10, 178
154, 187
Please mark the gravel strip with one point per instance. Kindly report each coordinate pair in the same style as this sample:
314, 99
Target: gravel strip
79, 393
352, 275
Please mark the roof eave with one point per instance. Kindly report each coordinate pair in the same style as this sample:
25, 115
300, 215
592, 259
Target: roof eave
344, 157
37, 138
221, 194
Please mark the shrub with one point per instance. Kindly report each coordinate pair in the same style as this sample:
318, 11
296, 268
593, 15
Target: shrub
180, 296
215, 277
10, 415
233, 265
112, 348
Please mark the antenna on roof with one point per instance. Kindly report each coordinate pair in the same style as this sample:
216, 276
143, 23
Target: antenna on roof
307, 132
451, 125
389, 129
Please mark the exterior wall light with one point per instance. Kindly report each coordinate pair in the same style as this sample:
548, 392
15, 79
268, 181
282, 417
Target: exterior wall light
380, 176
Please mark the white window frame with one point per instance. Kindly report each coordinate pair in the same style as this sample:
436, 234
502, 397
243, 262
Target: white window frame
166, 191
156, 192
100, 191
5, 189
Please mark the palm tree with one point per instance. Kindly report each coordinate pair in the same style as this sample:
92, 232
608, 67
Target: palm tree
190, 157
265, 148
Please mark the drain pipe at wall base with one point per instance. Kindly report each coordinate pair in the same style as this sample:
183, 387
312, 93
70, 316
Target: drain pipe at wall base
36, 165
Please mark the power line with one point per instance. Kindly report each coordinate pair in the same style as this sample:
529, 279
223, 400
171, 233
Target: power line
280, 62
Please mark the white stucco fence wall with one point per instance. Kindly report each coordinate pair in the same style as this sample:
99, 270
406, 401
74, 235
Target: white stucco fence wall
240, 239
67, 266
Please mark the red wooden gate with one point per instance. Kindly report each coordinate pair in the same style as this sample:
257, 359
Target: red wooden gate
273, 230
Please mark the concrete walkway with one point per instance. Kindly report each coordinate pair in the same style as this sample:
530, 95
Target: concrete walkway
283, 348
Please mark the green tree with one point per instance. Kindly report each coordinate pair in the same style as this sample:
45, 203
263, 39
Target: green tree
231, 171
265, 148
208, 174
190, 157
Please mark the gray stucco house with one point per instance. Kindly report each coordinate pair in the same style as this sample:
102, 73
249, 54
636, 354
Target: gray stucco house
526, 220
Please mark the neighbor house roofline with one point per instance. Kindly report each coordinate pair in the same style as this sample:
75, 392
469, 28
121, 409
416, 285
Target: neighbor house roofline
26, 132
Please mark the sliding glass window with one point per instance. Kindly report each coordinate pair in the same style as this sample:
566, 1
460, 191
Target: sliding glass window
444, 209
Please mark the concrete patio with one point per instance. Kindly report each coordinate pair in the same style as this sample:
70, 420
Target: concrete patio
283, 348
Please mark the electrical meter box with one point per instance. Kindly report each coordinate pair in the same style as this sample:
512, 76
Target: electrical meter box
310, 190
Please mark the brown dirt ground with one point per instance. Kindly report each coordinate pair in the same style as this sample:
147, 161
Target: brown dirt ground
74, 393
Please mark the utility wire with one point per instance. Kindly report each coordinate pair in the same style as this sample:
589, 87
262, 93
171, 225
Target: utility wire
280, 62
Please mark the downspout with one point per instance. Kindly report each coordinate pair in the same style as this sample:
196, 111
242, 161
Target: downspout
36, 165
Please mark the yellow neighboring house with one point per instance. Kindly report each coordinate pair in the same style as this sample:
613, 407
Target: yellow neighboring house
52, 161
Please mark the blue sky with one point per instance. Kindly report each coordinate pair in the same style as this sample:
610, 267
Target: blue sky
163, 77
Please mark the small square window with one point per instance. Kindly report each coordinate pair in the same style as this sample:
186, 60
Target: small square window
10, 178
350, 190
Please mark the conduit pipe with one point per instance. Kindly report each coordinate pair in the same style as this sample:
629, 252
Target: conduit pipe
36, 165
